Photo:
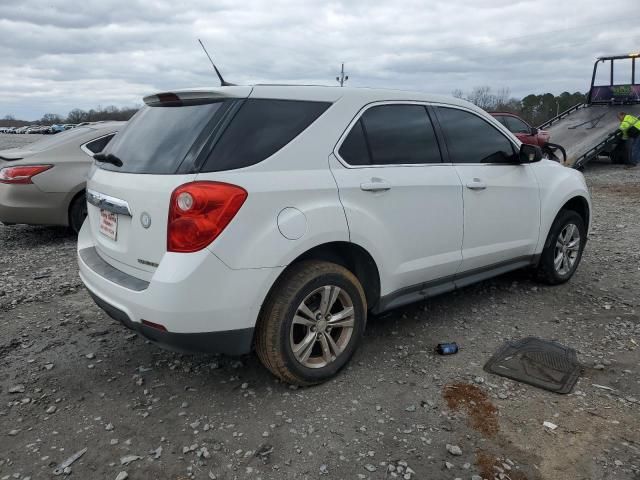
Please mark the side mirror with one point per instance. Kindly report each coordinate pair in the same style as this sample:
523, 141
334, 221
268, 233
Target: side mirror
534, 131
529, 153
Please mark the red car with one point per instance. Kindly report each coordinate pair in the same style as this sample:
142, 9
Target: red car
521, 129
531, 135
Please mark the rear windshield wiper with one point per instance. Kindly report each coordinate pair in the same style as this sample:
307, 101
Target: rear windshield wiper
108, 158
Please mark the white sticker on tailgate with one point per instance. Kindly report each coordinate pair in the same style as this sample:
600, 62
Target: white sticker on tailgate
109, 224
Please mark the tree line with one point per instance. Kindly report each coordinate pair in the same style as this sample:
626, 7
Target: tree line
75, 116
535, 109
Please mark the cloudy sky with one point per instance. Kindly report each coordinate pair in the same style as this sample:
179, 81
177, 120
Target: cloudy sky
57, 55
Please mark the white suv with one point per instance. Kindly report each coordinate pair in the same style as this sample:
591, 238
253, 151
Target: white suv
278, 217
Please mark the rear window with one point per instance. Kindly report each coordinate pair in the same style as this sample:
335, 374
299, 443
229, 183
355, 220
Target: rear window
516, 125
58, 139
158, 138
259, 129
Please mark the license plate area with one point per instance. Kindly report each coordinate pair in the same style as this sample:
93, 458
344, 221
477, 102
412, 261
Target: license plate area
109, 224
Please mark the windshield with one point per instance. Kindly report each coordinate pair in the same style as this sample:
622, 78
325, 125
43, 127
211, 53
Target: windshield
158, 138
57, 139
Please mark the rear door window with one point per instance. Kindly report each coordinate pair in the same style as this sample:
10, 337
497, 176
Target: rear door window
354, 149
470, 139
400, 134
259, 129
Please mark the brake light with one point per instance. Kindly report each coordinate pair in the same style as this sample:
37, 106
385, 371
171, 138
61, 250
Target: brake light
199, 212
22, 174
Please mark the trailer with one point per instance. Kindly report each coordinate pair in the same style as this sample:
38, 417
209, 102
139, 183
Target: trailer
590, 129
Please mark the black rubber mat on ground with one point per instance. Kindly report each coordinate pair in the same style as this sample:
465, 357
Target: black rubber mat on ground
538, 362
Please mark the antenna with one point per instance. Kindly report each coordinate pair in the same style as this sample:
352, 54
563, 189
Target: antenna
223, 82
342, 78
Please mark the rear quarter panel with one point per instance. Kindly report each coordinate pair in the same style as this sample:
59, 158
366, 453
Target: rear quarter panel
297, 176
254, 239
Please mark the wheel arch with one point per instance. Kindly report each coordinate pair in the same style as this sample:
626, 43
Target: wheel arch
578, 204
353, 257
81, 190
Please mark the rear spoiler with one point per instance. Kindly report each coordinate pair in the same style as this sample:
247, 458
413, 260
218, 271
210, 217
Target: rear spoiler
194, 96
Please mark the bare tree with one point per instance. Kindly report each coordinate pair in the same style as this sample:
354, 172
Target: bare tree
482, 97
50, 119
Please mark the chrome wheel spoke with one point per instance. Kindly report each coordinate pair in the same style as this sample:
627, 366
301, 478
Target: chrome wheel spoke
328, 298
557, 263
303, 350
569, 234
335, 348
574, 244
342, 319
300, 320
306, 311
327, 355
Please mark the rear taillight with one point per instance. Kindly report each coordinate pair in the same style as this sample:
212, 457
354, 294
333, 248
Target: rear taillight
199, 212
22, 174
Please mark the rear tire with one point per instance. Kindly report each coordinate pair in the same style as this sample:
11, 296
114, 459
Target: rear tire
312, 323
77, 212
563, 249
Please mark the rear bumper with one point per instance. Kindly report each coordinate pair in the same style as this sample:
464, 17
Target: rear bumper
205, 306
29, 204
229, 342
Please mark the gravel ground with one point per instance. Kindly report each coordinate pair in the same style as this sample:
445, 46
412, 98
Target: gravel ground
71, 378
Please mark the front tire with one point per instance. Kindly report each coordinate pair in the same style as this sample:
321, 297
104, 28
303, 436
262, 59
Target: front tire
563, 249
312, 323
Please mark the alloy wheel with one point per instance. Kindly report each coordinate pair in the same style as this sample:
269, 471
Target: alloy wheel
322, 326
567, 249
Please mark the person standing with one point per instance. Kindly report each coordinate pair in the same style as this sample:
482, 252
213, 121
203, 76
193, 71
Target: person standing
630, 128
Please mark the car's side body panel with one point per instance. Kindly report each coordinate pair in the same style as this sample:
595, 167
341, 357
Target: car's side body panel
501, 221
558, 185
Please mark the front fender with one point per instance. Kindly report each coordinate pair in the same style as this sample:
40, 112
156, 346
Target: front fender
558, 185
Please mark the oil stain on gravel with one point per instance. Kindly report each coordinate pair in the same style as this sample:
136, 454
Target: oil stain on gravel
481, 413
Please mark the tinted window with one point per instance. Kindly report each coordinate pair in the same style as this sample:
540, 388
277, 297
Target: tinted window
470, 139
501, 119
400, 134
99, 144
259, 129
516, 125
157, 139
354, 149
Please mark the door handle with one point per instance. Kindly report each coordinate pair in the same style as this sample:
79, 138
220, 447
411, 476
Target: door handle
476, 184
375, 185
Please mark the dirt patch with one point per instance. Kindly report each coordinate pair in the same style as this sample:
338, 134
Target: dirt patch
482, 414
489, 466
631, 190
